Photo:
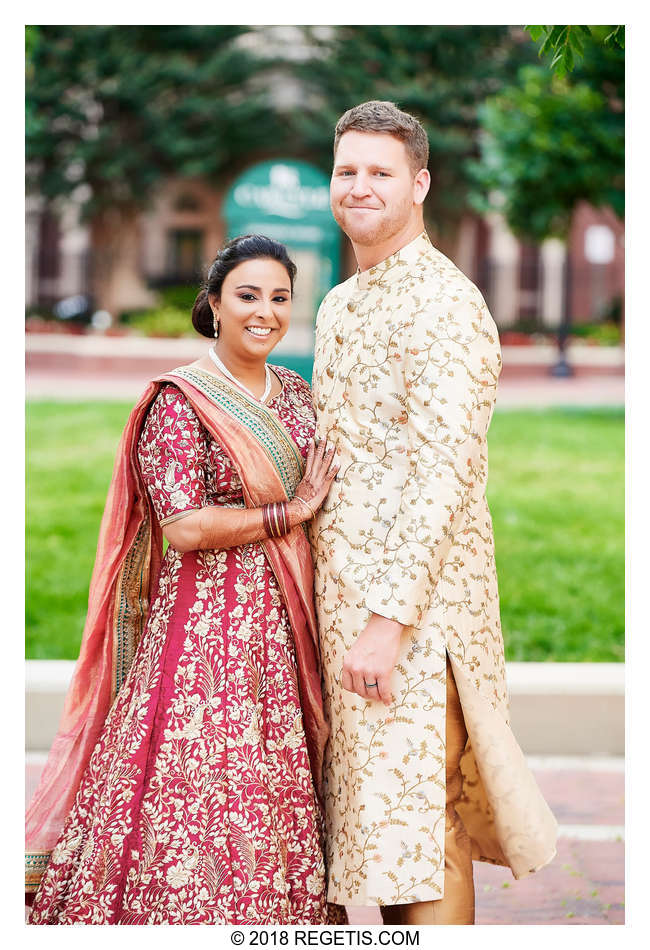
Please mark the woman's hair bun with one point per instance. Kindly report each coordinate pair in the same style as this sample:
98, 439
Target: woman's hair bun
202, 316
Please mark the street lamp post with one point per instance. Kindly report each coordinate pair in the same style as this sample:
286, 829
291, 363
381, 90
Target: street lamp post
562, 368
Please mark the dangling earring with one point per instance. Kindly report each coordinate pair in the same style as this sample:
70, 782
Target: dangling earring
216, 324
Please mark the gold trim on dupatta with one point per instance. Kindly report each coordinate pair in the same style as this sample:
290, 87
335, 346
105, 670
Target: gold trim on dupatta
131, 605
35, 864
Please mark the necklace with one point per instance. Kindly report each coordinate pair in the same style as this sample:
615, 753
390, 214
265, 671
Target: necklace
226, 372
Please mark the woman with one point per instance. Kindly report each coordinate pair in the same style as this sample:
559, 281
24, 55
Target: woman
183, 784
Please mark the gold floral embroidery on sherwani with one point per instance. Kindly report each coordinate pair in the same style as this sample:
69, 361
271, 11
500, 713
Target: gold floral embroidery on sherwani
406, 366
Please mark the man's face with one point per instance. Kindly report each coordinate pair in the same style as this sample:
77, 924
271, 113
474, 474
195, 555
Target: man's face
373, 191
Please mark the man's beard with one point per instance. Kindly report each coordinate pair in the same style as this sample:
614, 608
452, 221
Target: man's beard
383, 230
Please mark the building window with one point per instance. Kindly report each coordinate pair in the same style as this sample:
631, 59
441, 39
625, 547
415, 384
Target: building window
529, 282
600, 244
49, 236
186, 201
184, 255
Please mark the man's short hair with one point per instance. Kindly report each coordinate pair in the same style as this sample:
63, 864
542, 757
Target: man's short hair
383, 116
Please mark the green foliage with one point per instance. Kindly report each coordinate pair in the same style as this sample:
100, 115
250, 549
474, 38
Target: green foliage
172, 317
116, 108
181, 296
549, 143
161, 321
565, 44
605, 334
441, 74
31, 38
555, 490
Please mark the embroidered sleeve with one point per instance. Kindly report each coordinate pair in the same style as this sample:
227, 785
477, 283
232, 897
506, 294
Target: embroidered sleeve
451, 366
172, 452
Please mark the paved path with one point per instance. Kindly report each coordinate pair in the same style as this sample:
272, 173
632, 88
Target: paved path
86, 367
515, 391
584, 884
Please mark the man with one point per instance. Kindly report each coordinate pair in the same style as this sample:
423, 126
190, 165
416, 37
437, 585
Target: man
406, 366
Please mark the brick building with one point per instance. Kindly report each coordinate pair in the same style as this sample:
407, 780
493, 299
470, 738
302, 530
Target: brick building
525, 284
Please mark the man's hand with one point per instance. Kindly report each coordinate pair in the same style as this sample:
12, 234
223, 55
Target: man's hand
370, 661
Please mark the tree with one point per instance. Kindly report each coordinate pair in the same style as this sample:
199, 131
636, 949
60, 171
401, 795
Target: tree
439, 73
550, 142
566, 43
113, 110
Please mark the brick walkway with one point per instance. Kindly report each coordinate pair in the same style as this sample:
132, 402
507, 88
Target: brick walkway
584, 884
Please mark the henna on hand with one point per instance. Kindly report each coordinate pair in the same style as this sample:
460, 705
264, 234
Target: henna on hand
320, 471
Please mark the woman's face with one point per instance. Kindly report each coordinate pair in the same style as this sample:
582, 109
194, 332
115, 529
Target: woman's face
254, 308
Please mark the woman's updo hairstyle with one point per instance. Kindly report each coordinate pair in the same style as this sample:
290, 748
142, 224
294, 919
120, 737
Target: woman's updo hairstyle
245, 248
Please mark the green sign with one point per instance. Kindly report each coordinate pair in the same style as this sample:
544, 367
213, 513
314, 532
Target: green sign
289, 201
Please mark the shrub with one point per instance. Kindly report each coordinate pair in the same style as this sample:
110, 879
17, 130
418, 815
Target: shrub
181, 297
162, 321
607, 334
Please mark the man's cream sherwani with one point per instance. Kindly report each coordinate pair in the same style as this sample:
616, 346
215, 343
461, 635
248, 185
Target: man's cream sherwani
405, 374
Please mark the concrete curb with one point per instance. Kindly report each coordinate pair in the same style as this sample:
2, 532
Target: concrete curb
556, 708
568, 708
173, 349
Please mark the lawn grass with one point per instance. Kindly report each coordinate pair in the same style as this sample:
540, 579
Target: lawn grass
555, 490
70, 453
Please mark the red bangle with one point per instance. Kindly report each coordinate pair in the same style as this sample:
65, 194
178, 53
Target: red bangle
266, 520
275, 519
269, 521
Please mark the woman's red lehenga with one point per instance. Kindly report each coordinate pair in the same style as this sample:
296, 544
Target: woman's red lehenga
197, 804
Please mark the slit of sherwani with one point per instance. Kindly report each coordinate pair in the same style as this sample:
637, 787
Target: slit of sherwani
501, 807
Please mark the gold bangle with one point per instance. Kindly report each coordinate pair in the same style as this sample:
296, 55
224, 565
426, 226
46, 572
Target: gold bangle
305, 502
278, 517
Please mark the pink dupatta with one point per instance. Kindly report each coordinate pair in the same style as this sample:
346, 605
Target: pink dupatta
124, 580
